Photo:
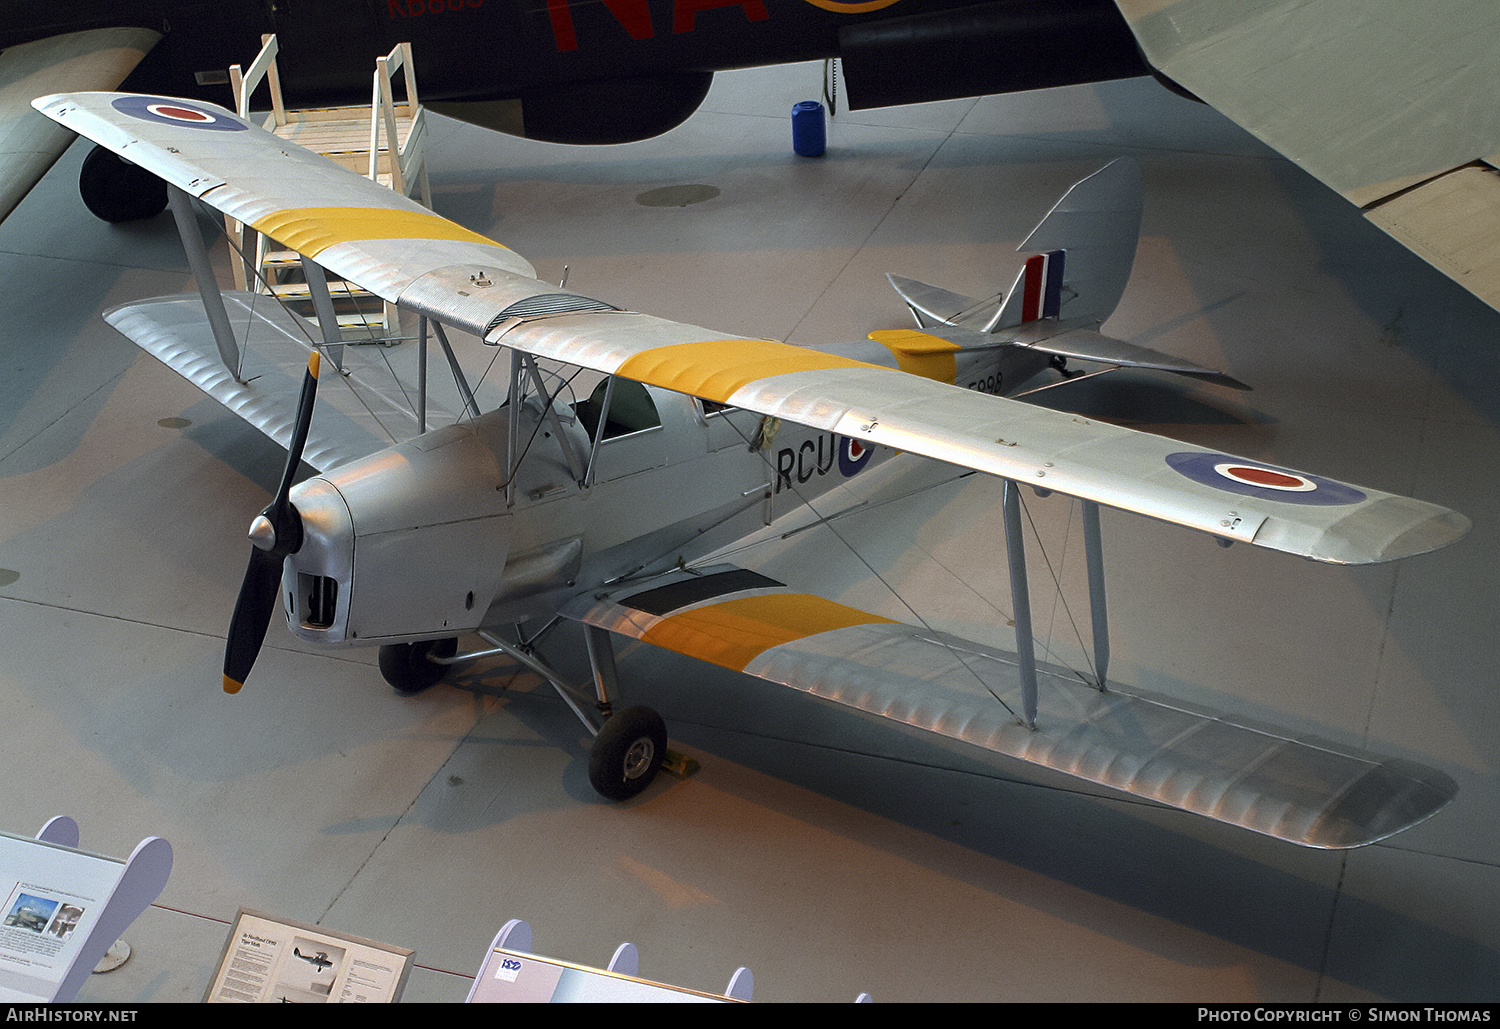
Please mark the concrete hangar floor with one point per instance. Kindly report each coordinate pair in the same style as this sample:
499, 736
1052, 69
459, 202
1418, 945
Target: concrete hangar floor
829, 854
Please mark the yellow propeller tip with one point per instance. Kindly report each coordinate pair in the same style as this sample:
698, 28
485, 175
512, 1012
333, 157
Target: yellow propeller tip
230, 686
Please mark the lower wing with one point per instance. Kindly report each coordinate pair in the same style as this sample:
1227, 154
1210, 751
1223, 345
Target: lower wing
1304, 790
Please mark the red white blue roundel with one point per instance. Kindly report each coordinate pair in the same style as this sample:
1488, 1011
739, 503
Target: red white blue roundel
167, 111
1264, 482
853, 455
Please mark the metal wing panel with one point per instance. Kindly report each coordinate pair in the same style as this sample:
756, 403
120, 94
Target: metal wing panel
1306, 515
1304, 790
1217, 493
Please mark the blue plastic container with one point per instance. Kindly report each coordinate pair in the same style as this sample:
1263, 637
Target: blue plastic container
809, 137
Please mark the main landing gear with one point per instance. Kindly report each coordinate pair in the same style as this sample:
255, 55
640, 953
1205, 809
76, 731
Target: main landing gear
630, 746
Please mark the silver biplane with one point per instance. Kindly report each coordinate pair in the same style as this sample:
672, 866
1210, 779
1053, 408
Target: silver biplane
425, 525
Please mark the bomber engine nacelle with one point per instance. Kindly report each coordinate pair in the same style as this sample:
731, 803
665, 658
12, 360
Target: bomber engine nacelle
409, 543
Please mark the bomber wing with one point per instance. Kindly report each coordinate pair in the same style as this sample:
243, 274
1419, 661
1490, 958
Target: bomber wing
93, 59
435, 268
1307, 791
1390, 103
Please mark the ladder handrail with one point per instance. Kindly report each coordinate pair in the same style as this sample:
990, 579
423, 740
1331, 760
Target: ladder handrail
245, 84
383, 111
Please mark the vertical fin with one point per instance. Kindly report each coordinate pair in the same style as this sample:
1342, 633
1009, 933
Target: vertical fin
1098, 223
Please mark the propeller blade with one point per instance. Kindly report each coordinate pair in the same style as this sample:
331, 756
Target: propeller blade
252, 616
299, 431
275, 534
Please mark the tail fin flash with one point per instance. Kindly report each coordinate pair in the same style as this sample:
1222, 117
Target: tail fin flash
1038, 292
1097, 224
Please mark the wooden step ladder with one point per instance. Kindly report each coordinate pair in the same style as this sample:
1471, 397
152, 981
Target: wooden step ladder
385, 141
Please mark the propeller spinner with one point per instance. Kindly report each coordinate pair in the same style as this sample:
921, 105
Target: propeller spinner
275, 533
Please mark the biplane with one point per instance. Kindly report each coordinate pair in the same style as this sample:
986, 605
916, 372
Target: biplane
599, 478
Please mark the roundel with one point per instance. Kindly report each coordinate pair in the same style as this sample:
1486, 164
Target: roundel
852, 6
1265, 482
167, 111
853, 455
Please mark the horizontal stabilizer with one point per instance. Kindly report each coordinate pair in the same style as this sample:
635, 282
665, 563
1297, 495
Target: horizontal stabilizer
1088, 345
1303, 790
933, 305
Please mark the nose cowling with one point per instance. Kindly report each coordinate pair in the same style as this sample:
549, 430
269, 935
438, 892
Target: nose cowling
406, 544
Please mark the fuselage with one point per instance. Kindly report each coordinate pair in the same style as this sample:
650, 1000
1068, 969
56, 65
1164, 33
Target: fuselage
434, 538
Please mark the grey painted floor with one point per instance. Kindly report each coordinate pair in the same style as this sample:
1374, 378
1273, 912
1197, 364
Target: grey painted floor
829, 854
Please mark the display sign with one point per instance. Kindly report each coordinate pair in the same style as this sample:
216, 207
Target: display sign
270, 960
53, 895
515, 977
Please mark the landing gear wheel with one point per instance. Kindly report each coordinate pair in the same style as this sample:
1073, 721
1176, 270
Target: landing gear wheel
117, 191
627, 753
406, 668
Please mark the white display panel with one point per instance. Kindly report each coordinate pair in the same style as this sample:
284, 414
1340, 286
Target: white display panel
52, 897
515, 977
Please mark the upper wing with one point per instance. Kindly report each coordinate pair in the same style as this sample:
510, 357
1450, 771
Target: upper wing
430, 266
94, 59
1390, 103
1304, 790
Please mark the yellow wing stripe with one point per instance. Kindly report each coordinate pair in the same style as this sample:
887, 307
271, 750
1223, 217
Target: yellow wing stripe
920, 353
309, 230
715, 369
733, 633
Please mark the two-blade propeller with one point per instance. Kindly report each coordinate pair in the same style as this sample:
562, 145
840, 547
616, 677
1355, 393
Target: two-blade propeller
275, 533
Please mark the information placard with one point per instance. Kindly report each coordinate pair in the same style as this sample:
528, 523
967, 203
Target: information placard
53, 895
270, 960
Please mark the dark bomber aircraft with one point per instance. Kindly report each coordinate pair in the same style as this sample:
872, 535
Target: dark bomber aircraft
571, 71
1384, 101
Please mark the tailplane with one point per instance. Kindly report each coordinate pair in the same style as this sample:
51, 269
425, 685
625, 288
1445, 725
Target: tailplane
1087, 243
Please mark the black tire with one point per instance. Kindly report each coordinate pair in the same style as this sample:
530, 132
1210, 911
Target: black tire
627, 753
406, 668
117, 191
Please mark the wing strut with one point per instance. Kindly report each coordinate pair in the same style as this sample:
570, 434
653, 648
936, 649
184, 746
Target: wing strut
576, 467
421, 375
328, 321
458, 373
1015, 549
609, 392
203, 274
1093, 549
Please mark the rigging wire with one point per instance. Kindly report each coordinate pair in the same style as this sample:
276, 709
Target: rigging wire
958, 655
